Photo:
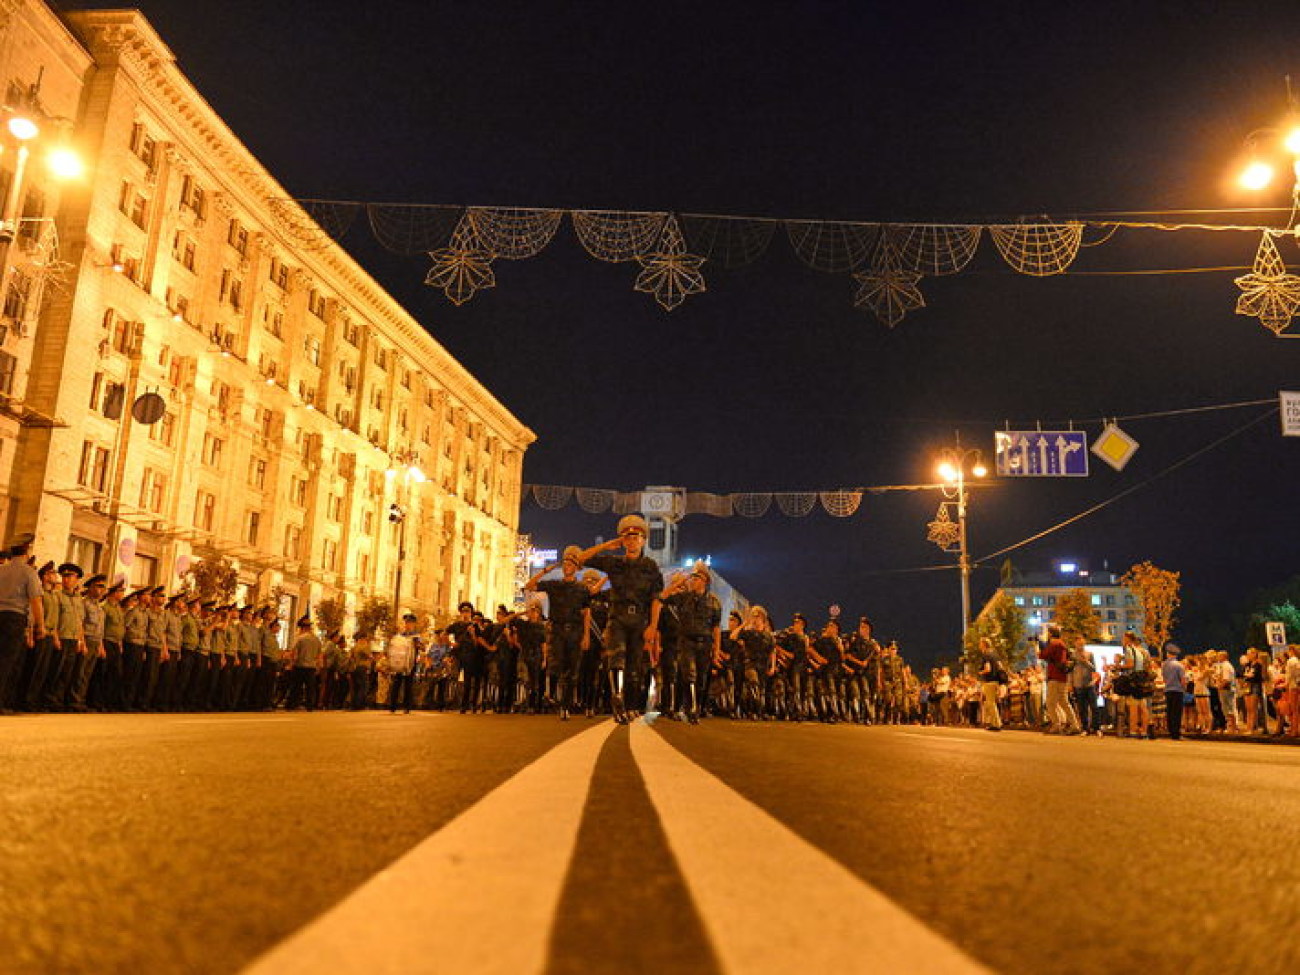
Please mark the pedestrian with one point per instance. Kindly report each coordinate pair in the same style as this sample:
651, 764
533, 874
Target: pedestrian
1061, 719
1083, 684
633, 628
1291, 673
1252, 682
1135, 664
1225, 688
400, 655
22, 616
992, 674
1175, 675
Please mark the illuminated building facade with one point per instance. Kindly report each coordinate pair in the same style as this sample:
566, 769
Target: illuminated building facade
299, 407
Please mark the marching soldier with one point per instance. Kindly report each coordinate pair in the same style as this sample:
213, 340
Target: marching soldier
631, 637
793, 641
569, 609
699, 635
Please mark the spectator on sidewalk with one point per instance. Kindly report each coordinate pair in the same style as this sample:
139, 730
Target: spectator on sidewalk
1061, 718
1175, 675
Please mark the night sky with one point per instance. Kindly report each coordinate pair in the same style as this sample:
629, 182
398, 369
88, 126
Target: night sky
773, 380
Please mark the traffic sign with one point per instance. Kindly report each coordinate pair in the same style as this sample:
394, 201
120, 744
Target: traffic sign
1041, 453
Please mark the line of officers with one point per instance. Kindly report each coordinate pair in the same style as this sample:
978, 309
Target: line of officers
88, 645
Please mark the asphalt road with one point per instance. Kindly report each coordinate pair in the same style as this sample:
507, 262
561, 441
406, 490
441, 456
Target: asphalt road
429, 842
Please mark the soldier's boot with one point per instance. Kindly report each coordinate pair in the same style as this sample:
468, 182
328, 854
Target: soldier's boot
693, 715
616, 696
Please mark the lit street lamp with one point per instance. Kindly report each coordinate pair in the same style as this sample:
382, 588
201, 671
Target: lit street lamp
955, 464
403, 473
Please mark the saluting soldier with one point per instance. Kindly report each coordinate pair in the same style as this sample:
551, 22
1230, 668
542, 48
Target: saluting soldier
863, 653
569, 609
631, 637
22, 617
591, 682
757, 647
699, 635
793, 641
92, 629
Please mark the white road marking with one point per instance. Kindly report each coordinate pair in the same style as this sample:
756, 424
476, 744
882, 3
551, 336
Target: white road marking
771, 901
441, 906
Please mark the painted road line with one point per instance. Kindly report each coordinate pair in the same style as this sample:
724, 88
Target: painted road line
441, 906
770, 900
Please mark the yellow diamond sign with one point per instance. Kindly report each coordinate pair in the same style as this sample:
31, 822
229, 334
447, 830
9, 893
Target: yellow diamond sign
1115, 447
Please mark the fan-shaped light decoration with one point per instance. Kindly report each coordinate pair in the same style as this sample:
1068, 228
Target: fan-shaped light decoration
943, 531
1268, 292
704, 503
728, 242
552, 497
841, 504
627, 502
410, 230
670, 274
513, 234
463, 268
617, 237
887, 289
751, 505
304, 227
933, 249
595, 501
832, 247
796, 504
1038, 249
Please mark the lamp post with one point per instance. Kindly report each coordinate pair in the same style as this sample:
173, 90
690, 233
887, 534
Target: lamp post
954, 465
403, 473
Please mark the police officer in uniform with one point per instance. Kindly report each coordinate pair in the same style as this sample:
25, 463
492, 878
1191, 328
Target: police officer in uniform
92, 629
22, 616
156, 648
71, 643
106, 684
631, 637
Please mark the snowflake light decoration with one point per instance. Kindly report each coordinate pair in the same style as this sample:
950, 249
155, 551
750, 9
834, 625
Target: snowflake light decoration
888, 289
461, 269
1269, 293
670, 274
943, 531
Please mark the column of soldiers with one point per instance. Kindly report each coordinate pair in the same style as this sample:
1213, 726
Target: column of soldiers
618, 641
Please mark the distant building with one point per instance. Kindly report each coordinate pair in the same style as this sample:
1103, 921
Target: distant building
1035, 594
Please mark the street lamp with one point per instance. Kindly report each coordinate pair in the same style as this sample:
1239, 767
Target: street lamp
954, 466
403, 473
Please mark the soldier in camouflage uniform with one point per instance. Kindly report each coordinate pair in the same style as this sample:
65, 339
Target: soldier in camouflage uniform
591, 680
863, 653
699, 636
757, 646
569, 609
631, 636
793, 641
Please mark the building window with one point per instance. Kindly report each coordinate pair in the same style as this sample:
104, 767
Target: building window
8, 367
252, 524
363, 565
212, 447
1096, 599
237, 237
278, 273
334, 508
329, 555
351, 334
257, 473
367, 522
144, 145
316, 303
205, 510
1110, 600
153, 490
17, 296
93, 472
144, 571
1036, 601
85, 553
292, 542
164, 431
192, 197
311, 346
298, 492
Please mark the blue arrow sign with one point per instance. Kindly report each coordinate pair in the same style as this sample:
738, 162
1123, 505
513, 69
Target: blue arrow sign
1041, 453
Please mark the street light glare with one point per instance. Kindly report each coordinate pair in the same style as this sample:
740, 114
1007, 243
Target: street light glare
1291, 142
1257, 175
947, 471
417, 475
23, 128
979, 470
65, 164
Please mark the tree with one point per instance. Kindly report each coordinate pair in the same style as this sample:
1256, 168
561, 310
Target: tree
1157, 593
330, 614
1074, 614
213, 579
1285, 613
374, 616
1004, 625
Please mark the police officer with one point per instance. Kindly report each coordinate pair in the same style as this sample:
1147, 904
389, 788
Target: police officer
569, 609
169, 670
106, 683
22, 616
71, 640
631, 637
92, 628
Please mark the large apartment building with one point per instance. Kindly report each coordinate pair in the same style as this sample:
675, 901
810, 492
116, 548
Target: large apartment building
192, 370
